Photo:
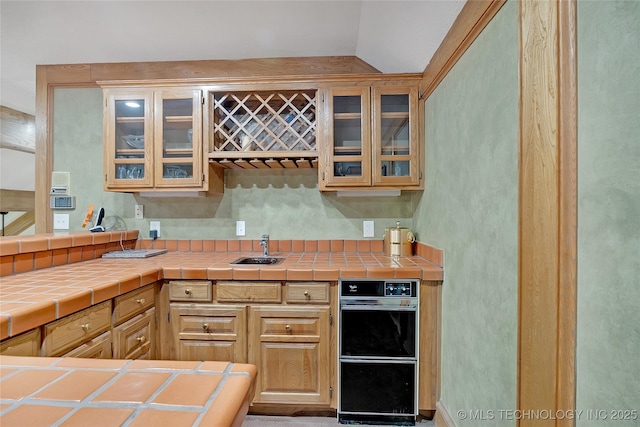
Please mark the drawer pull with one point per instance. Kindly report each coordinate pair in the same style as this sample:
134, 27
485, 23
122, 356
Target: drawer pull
307, 294
85, 326
287, 327
205, 327
187, 291
140, 300
141, 339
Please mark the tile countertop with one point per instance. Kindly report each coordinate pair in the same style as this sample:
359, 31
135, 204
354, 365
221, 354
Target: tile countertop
34, 298
99, 392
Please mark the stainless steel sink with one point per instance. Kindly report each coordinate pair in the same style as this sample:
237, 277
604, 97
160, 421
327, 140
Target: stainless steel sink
257, 260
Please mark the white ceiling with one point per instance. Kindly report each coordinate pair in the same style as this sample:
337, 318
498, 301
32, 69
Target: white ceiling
394, 36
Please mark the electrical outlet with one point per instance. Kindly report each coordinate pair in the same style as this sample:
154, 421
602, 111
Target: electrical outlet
155, 225
240, 231
139, 212
60, 221
368, 229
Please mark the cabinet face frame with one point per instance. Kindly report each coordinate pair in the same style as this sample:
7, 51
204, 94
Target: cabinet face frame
111, 162
196, 159
328, 177
413, 158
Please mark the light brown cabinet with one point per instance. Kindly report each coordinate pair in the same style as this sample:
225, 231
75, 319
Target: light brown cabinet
290, 347
26, 344
209, 332
97, 348
135, 338
63, 335
153, 139
264, 128
281, 327
371, 137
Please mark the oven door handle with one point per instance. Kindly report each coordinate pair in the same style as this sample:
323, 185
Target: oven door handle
363, 307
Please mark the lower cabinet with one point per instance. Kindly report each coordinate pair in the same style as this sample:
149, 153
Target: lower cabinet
135, 338
281, 327
209, 332
290, 347
26, 344
97, 348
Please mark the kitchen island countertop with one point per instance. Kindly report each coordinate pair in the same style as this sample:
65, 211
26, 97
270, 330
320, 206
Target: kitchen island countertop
78, 392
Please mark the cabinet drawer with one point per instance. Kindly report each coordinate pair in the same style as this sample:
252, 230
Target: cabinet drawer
277, 322
97, 348
190, 290
307, 292
27, 344
132, 303
241, 291
68, 332
135, 339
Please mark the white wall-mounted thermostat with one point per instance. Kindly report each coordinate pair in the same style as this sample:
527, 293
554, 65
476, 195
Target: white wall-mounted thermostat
60, 183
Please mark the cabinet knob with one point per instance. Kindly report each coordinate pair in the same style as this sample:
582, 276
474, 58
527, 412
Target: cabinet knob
306, 293
205, 327
141, 339
140, 301
187, 291
287, 327
85, 326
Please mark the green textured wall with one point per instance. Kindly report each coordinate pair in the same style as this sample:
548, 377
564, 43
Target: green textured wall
470, 209
285, 204
608, 339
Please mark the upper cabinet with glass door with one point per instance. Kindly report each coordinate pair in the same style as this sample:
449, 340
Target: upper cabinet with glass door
128, 133
178, 130
153, 139
395, 136
371, 138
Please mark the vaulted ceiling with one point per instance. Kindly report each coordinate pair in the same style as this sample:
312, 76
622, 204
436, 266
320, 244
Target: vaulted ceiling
394, 36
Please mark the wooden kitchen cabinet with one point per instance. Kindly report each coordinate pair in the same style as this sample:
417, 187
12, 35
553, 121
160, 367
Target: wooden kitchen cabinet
290, 346
284, 328
209, 332
63, 335
264, 128
135, 338
97, 348
372, 137
153, 139
26, 344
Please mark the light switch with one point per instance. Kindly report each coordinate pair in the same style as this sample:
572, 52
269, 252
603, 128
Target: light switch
240, 231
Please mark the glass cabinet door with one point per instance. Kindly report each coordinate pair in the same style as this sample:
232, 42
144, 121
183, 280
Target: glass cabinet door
395, 157
128, 139
178, 130
349, 136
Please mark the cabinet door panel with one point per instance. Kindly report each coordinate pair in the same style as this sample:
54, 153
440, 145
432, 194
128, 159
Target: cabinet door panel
135, 339
348, 139
290, 346
128, 138
178, 129
395, 136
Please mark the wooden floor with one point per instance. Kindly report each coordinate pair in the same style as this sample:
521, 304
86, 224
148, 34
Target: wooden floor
275, 421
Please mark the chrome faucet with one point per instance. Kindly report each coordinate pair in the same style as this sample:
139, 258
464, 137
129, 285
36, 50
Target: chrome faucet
265, 243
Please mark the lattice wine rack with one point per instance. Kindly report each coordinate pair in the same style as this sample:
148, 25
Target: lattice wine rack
264, 129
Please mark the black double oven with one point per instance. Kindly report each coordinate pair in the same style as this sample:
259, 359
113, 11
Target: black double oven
378, 352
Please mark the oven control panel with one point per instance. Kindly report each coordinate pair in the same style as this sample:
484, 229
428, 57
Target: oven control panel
399, 289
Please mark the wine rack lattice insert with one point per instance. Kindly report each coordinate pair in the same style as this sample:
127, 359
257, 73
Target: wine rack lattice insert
283, 121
